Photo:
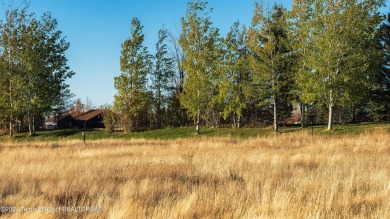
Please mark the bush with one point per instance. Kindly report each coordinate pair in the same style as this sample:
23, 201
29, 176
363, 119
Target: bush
109, 120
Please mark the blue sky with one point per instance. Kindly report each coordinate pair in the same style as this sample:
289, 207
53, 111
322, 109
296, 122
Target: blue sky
97, 28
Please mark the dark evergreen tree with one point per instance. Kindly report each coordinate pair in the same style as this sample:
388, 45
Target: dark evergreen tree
378, 106
162, 85
271, 61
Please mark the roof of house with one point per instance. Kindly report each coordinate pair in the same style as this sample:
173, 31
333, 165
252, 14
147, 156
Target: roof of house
89, 115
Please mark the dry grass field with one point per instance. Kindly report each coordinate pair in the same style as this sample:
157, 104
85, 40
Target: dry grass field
285, 176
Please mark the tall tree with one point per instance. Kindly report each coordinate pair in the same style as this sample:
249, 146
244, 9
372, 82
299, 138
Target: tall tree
341, 53
34, 65
135, 61
177, 55
299, 33
162, 73
234, 86
44, 67
199, 42
270, 59
385, 40
10, 32
378, 106
177, 115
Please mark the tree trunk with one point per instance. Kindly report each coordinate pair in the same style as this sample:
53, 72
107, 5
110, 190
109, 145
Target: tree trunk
238, 121
330, 117
353, 114
275, 115
159, 124
341, 114
197, 121
29, 123
303, 115
11, 133
198, 114
181, 86
274, 94
33, 125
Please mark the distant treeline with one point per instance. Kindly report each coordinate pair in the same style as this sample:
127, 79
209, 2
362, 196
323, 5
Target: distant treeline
330, 59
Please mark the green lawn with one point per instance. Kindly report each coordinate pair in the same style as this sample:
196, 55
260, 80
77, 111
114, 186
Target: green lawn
189, 132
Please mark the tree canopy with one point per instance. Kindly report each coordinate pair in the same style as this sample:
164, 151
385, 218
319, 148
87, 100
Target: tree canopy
33, 67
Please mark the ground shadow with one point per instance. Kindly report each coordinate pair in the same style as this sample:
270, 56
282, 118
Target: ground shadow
61, 133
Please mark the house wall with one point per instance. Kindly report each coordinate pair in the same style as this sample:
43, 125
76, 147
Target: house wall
96, 122
67, 122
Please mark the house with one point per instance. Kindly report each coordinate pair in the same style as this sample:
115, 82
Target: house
89, 120
67, 121
51, 123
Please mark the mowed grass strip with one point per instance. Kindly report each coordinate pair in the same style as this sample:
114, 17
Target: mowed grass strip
283, 176
206, 132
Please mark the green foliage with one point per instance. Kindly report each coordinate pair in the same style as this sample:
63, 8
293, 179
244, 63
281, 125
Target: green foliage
132, 99
331, 56
339, 56
235, 77
109, 119
378, 106
162, 76
33, 65
299, 32
378, 111
300, 40
270, 60
199, 42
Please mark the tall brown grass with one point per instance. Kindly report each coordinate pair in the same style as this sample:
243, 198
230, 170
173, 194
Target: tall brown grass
286, 176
